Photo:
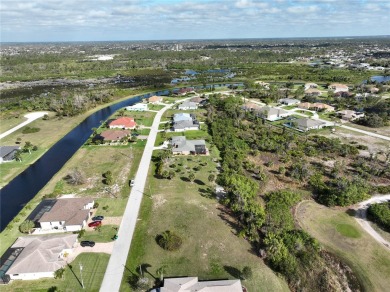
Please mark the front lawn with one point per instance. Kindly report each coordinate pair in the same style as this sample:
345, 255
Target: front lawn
104, 233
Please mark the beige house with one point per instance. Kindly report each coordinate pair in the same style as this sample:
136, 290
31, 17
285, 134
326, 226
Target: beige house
192, 284
272, 113
310, 85
39, 256
349, 115
312, 92
305, 124
337, 87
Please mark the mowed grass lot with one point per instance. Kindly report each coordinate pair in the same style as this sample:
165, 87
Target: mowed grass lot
211, 249
8, 123
94, 267
341, 234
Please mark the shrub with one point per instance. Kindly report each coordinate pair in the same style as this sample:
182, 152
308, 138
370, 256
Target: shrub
95, 205
246, 273
59, 273
28, 130
169, 240
26, 226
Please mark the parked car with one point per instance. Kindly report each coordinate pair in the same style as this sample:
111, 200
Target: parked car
87, 243
98, 218
131, 182
95, 224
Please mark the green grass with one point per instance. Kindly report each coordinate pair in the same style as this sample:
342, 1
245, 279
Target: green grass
192, 135
309, 114
289, 107
338, 232
116, 207
347, 230
94, 266
199, 113
8, 123
104, 235
210, 247
156, 107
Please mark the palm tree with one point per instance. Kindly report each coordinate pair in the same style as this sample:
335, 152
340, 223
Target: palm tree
161, 271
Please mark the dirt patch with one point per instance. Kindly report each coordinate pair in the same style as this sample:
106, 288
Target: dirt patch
158, 201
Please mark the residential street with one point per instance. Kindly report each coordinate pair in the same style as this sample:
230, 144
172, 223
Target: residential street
116, 265
361, 217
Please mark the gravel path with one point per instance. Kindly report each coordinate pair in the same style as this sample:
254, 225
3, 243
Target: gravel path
361, 217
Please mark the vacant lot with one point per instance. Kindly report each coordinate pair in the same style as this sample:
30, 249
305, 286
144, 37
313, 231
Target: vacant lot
341, 234
94, 266
211, 249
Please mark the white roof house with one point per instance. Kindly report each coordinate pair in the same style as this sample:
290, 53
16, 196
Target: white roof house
182, 117
192, 284
138, 107
289, 101
188, 105
40, 256
305, 124
272, 113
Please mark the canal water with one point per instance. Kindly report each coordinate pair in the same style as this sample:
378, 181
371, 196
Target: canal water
25, 186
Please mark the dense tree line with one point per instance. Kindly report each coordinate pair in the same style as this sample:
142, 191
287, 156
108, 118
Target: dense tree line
380, 214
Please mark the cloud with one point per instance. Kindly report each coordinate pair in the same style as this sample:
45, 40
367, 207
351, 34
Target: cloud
169, 19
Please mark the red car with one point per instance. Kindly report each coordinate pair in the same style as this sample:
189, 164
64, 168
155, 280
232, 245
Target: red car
95, 224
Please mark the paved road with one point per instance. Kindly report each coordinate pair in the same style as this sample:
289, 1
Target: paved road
116, 265
30, 118
361, 217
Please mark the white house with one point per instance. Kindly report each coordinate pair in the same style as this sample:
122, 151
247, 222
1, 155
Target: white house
289, 101
67, 214
188, 105
39, 256
138, 107
189, 284
183, 117
305, 124
272, 113
337, 87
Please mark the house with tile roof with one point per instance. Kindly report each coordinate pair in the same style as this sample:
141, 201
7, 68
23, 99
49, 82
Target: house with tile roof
272, 113
113, 135
123, 123
155, 99
306, 124
337, 87
36, 257
192, 284
65, 214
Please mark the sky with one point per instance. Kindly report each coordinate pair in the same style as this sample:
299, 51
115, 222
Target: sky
111, 20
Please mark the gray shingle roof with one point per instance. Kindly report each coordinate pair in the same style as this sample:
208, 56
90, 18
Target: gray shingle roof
5, 151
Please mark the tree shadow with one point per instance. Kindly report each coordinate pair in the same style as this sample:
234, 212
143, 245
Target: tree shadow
183, 178
234, 272
228, 217
71, 269
199, 182
207, 193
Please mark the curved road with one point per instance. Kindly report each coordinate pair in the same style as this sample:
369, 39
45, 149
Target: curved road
30, 118
361, 217
116, 265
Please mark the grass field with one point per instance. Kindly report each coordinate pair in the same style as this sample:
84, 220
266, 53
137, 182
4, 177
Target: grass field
104, 235
192, 134
94, 266
199, 113
211, 249
342, 235
8, 123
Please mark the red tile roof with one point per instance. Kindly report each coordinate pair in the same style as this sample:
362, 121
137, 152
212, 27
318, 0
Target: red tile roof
114, 135
123, 122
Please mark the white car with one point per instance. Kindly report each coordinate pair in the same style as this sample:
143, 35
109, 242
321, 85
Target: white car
131, 182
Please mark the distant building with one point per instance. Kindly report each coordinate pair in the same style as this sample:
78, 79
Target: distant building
192, 284
188, 105
349, 115
289, 101
155, 99
306, 124
7, 153
312, 92
180, 145
183, 117
250, 106
123, 123
337, 87
310, 85
272, 113
138, 107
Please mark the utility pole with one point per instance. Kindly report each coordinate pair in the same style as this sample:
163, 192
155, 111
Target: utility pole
81, 274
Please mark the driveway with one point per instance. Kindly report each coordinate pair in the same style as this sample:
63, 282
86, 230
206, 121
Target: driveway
361, 218
30, 118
